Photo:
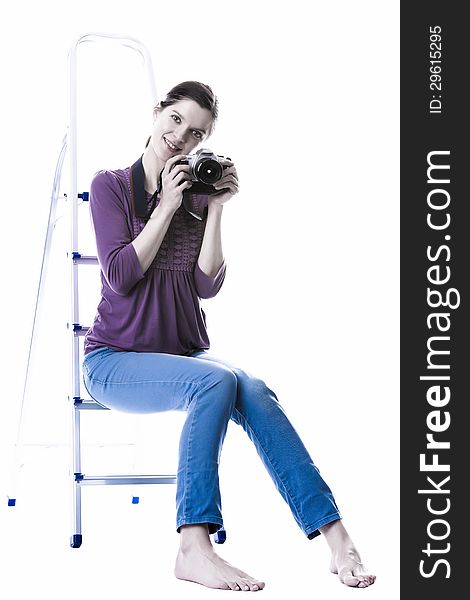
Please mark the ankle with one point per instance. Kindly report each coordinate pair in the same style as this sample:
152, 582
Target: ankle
337, 537
194, 536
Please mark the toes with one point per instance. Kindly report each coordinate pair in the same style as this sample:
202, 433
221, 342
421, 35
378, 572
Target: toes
244, 584
247, 584
233, 585
364, 582
349, 579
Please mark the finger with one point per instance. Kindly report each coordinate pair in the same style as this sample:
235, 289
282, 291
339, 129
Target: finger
226, 162
229, 179
174, 179
230, 175
177, 169
227, 188
225, 184
181, 176
174, 159
170, 177
229, 170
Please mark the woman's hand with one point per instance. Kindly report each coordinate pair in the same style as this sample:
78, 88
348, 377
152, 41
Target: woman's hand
175, 180
228, 181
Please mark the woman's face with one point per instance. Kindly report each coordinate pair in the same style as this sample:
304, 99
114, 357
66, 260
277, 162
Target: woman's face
179, 128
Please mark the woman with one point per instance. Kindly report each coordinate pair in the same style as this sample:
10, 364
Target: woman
147, 349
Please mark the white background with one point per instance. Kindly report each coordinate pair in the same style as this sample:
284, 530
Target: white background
308, 95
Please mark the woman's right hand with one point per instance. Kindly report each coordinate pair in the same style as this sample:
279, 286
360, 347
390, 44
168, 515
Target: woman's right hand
175, 180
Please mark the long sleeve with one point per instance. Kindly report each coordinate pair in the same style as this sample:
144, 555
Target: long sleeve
208, 287
116, 254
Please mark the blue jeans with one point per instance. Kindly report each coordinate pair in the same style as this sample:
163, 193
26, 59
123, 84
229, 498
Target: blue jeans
212, 392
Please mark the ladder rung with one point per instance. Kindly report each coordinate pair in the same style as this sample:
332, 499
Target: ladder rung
79, 330
125, 479
83, 259
88, 404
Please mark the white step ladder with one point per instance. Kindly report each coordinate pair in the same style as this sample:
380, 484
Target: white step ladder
77, 330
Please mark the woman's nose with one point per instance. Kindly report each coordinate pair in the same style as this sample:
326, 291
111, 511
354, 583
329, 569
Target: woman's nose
180, 135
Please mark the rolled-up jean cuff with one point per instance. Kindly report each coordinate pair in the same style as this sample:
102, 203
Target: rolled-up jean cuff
315, 532
213, 523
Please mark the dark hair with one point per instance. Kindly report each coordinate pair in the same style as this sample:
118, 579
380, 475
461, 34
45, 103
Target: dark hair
192, 90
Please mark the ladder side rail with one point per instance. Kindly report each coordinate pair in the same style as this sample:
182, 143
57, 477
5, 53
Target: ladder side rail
75, 382
73, 354
140, 48
37, 313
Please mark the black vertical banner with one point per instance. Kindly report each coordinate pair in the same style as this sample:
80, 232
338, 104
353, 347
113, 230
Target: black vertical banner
435, 268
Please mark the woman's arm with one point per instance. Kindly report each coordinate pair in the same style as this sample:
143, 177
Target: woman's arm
175, 180
149, 240
116, 255
211, 255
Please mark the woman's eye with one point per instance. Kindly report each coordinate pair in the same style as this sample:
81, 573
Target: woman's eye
176, 118
198, 134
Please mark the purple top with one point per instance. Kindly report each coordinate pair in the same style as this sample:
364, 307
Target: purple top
155, 311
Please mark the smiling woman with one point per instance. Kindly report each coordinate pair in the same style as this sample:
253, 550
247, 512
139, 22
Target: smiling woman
147, 349
300, 308
201, 94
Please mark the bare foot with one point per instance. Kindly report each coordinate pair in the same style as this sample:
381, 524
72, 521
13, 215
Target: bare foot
197, 561
209, 569
345, 559
350, 570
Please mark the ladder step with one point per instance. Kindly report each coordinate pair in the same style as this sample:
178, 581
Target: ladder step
82, 259
79, 330
88, 404
124, 479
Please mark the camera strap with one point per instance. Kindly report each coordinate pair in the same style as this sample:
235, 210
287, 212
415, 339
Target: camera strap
137, 179
194, 200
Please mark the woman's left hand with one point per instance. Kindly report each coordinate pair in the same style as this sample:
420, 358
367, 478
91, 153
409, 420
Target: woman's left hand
228, 181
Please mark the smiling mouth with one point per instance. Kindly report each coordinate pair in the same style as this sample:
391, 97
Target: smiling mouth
171, 146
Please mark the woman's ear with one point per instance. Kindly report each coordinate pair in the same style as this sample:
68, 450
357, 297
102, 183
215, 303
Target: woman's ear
156, 110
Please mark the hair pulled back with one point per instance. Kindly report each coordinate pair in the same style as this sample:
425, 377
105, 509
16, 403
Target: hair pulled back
192, 90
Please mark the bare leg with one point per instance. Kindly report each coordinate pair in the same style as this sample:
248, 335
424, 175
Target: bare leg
196, 561
345, 559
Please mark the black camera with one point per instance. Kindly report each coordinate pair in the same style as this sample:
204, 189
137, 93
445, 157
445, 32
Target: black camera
205, 170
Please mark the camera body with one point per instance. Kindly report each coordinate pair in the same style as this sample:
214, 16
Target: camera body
205, 170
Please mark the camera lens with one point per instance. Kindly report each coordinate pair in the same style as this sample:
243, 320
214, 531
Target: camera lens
208, 170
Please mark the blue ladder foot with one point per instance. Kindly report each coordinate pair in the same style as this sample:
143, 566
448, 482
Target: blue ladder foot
76, 540
11, 501
135, 499
220, 536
